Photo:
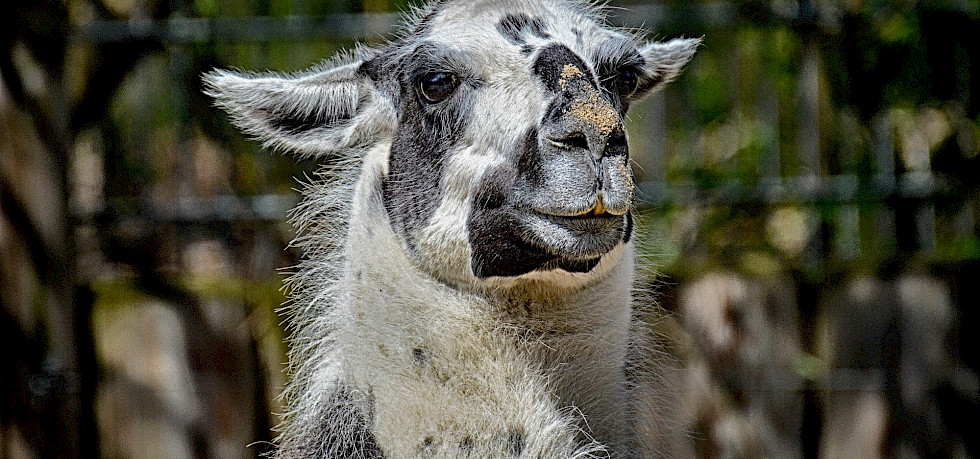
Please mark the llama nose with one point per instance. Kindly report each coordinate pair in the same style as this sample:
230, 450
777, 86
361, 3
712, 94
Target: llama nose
581, 132
585, 120
595, 117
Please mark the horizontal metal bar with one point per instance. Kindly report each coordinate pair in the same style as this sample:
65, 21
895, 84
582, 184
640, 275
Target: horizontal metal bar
339, 27
354, 26
843, 380
223, 208
811, 189
360, 26
838, 189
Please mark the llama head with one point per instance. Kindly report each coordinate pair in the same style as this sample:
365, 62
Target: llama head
501, 124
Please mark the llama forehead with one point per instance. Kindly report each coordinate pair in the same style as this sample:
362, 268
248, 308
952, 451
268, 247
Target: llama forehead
496, 31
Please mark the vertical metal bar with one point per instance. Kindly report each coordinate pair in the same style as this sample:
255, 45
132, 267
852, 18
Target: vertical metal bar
729, 159
848, 237
883, 152
808, 142
767, 114
925, 227
965, 221
184, 169
808, 91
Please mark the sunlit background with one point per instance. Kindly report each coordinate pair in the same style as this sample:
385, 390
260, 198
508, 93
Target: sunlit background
809, 190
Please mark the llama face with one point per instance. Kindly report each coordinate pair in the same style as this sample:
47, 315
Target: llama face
508, 152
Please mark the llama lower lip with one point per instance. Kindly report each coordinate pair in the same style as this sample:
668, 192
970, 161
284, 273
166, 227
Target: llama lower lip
585, 222
574, 237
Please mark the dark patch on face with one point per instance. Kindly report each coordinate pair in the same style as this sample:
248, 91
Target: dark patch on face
510, 27
497, 248
537, 28
425, 133
378, 69
556, 109
551, 62
528, 158
528, 49
411, 191
494, 189
513, 26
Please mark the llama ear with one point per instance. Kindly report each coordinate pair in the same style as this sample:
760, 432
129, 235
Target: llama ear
663, 62
322, 111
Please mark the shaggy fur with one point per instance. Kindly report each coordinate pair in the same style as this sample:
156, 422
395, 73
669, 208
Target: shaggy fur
468, 265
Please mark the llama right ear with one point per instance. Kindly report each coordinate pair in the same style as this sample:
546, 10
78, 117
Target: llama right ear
322, 111
663, 63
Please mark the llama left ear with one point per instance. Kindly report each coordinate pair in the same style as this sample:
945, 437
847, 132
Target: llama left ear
327, 110
663, 62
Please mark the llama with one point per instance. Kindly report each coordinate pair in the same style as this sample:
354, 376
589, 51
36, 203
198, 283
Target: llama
466, 288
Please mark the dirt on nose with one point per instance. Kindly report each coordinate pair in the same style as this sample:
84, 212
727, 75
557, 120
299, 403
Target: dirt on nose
587, 104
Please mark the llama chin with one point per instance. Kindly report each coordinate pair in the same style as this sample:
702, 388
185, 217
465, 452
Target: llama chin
466, 288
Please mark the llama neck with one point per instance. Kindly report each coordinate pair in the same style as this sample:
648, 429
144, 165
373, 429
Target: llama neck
491, 370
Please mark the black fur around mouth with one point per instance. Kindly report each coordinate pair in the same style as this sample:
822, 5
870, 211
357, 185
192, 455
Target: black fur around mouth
511, 242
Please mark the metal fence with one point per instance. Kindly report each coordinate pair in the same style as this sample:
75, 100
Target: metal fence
876, 178
832, 197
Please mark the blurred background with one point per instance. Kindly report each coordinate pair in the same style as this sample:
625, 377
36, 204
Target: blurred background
809, 191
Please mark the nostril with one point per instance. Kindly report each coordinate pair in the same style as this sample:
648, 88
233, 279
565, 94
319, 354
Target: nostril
618, 136
617, 144
574, 140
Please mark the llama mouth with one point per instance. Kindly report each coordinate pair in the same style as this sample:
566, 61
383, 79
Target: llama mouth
512, 241
583, 236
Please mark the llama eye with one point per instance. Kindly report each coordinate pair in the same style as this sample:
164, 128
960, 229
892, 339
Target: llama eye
626, 82
437, 86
